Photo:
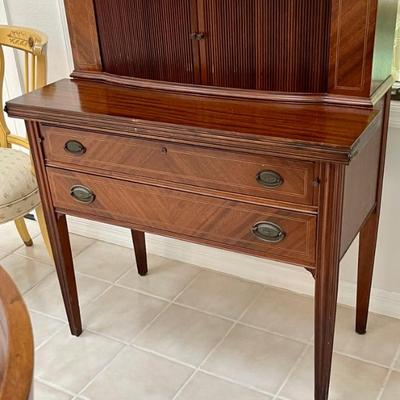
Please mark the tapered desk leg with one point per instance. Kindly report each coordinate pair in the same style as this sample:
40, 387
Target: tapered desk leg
368, 238
327, 274
58, 235
66, 275
139, 244
366, 258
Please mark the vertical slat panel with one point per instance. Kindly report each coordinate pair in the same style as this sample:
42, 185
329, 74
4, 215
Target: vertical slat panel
231, 52
273, 45
292, 45
277, 45
147, 38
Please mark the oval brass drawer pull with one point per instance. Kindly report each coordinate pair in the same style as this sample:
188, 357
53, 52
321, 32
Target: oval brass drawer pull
270, 179
74, 147
268, 232
82, 194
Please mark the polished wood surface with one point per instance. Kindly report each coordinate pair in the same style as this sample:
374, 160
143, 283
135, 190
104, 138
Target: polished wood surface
327, 274
131, 46
139, 244
16, 343
253, 127
333, 47
369, 235
138, 135
83, 35
166, 162
254, 58
58, 235
147, 39
308, 131
315, 234
193, 217
363, 174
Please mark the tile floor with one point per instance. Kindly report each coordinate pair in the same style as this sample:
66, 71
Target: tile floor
185, 333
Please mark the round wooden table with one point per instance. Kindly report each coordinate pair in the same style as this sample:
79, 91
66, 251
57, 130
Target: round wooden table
16, 343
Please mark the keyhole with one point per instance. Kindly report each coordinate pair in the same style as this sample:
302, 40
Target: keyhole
164, 150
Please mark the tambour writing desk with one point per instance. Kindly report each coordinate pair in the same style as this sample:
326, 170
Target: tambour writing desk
257, 126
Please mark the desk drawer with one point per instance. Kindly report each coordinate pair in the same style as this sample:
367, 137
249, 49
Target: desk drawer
258, 176
254, 229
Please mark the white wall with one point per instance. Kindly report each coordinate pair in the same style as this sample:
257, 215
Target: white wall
48, 16
45, 15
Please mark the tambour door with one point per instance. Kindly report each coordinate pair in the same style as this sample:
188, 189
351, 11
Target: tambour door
148, 39
274, 45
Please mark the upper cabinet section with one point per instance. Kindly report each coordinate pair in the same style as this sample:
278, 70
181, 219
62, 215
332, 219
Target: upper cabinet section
255, 48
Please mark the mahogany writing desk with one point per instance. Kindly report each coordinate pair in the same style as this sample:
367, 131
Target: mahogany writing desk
229, 140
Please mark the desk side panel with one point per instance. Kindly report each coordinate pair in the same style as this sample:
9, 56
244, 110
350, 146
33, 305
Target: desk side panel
361, 181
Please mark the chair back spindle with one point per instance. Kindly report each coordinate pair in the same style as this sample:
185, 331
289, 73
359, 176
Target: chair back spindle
33, 43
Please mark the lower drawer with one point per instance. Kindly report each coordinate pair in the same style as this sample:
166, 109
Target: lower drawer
258, 230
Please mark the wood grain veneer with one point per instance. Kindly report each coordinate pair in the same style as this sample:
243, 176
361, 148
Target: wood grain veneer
292, 45
83, 35
360, 187
152, 40
313, 132
178, 104
335, 50
159, 160
146, 39
225, 223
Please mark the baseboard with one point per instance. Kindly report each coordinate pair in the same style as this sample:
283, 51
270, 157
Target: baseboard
395, 114
251, 268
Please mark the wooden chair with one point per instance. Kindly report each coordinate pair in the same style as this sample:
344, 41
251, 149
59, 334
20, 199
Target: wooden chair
16, 343
19, 193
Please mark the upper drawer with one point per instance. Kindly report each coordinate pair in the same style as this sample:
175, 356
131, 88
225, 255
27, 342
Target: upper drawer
260, 176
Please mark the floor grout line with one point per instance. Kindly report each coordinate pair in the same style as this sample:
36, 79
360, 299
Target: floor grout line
211, 352
282, 335
174, 302
102, 370
118, 285
161, 355
389, 373
60, 319
54, 386
49, 339
292, 370
126, 346
119, 352
238, 383
26, 292
171, 302
50, 262
354, 357
96, 278
204, 311
105, 336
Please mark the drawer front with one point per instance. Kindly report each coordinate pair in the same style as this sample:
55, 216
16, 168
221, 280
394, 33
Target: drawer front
254, 229
258, 176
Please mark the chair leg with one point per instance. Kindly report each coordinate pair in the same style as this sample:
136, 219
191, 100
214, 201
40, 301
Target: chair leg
23, 231
43, 230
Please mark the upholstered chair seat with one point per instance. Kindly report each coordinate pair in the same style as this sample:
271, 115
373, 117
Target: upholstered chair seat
19, 192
